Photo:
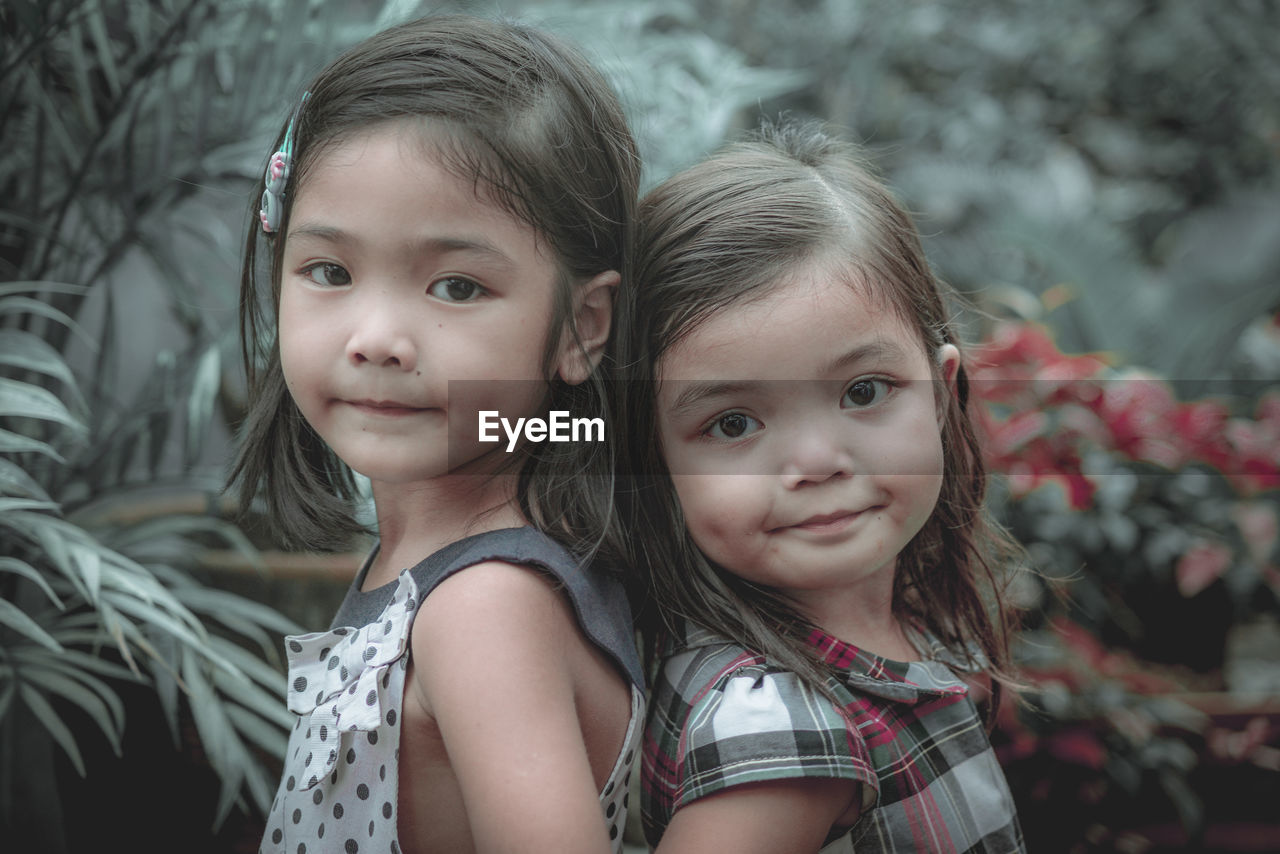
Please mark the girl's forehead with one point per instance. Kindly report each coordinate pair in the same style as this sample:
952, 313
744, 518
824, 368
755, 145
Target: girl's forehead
419, 144
388, 190
818, 311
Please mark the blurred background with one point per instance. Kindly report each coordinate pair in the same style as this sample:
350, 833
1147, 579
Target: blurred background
1100, 178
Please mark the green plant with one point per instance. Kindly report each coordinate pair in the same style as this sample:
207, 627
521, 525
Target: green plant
124, 127
88, 602
1157, 518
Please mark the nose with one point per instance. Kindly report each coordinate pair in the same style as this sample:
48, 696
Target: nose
816, 454
381, 333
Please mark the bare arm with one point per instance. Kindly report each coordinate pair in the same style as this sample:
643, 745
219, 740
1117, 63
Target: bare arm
763, 818
491, 647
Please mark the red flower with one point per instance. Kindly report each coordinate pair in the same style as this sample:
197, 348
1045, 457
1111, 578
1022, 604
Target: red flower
1200, 566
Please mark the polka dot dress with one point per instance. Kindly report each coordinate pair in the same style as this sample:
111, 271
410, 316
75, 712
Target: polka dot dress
340, 781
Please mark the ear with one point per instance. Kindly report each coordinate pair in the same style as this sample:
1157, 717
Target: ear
949, 365
592, 319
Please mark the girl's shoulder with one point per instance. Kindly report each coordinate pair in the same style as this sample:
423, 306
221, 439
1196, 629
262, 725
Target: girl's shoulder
723, 715
480, 589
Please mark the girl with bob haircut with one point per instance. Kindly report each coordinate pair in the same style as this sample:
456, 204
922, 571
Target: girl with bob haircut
807, 516
443, 227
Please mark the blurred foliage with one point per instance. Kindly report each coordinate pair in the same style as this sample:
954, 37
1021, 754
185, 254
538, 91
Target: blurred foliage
1153, 525
1122, 150
116, 116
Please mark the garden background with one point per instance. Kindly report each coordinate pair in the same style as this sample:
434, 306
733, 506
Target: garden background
1101, 177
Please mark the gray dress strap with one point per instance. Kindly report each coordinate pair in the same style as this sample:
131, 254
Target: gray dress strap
597, 597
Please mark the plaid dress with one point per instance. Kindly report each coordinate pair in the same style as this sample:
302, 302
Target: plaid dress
723, 716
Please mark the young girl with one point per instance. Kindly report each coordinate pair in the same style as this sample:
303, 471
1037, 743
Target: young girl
446, 220
812, 530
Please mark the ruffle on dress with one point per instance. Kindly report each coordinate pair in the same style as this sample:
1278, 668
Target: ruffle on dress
338, 679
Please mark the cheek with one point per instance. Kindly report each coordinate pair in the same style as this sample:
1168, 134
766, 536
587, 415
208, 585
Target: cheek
721, 513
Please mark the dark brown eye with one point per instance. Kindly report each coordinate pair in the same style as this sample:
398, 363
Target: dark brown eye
864, 393
454, 289
329, 275
734, 425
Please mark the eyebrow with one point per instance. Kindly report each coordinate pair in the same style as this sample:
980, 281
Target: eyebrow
697, 393
872, 351
427, 245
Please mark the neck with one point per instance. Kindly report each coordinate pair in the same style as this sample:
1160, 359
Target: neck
862, 616
417, 519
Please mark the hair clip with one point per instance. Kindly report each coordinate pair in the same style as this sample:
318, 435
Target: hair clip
277, 177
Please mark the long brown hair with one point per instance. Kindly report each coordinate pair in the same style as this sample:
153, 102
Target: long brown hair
537, 130
726, 230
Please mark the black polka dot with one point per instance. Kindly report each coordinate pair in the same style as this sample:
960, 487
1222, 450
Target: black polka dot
362, 792
408, 605
300, 684
373, 738
277, 835
371, 829
312, 782
333, 778
626, 797
382, 772
302, 848
295, 646
340, 632
395, 849
323, 653
391, 717
613, 831
386, 809
308, 732
318, 796
626, 760
297, 816
324, 732
289, 784
370, 652
351, 755
333, 662
608, 813
386, 677
337, 810
386, 630
333, 755
353, 688
308, 761
344, 673
352, 846
371, 698
320, 831
319, 697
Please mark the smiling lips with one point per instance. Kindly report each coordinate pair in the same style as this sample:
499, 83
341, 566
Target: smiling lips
827, 523
390, 408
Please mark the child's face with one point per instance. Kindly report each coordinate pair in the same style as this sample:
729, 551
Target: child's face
398, 280
802, 436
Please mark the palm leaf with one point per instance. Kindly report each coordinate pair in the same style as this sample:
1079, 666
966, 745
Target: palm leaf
17, 620
53, 724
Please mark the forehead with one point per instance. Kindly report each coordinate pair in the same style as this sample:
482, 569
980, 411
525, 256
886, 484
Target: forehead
798, 328
396, 182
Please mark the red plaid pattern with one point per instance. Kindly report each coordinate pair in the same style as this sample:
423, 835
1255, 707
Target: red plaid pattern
723, 716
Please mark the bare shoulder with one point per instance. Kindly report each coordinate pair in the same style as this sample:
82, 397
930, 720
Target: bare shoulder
497, 616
